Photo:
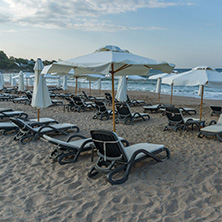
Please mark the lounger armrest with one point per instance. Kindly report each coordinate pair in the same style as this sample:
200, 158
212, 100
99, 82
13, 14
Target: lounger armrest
48, 126
125, 142
212, 122
75, 136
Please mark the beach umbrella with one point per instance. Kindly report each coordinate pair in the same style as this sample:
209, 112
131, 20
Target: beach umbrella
21, 84
14, 83
121, 94
1, 81
198, 76
159, 77
115, 61
10, 79
40, 97
65, 83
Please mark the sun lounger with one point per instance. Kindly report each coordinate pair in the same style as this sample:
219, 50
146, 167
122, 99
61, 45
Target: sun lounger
177, 121
80, 104
101, 110
91, 98
124, 114
152, 108
135, 102
216, 110
6, 127
28, 132
5, 110
212, 130
113, 157
68, 151
9, 114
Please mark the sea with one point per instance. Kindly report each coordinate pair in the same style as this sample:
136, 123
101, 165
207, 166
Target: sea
146, 86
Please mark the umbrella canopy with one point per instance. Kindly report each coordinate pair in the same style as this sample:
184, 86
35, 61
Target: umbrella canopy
40, 98
113, 60
1, 81
135, 78
121, 94
201, 75
21, 84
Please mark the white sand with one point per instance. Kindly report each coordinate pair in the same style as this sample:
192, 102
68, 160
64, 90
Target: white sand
185, 188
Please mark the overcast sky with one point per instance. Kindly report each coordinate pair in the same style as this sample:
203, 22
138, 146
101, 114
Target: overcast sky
187, 33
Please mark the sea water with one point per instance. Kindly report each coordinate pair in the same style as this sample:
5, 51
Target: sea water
146, 86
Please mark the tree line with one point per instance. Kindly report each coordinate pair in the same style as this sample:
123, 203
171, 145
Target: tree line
16, 64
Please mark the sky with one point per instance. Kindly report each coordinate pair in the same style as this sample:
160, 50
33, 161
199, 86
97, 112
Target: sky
187, 33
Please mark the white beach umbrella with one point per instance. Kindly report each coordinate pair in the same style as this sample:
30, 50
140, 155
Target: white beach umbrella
113, 60
59, 83
10, 79
14, 83
198, 76
40, 98
1, 81
159, 77
65, 83
21, 84
121, 94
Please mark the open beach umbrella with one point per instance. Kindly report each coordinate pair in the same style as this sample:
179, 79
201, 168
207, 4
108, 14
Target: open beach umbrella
115, 61
121, 94
1, 81
40, 97
21, 84
198, 76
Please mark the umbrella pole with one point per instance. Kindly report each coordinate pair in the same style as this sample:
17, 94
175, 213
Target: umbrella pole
38, 114
201, 102
171, 96
113, 101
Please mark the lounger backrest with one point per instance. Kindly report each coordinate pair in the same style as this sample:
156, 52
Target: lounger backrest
216, 108
123, 110
84, 93
100, 106
174, 114
29, 95
78, 101
108, 143
21, 124
108, 96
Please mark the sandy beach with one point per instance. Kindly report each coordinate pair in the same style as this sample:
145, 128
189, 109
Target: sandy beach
187, 187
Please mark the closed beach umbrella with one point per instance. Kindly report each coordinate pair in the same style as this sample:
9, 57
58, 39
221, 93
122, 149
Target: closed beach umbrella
198, 76
159, 77
40, 98
115, 61
14, 83
21, 84
121, 94
1, 81
65, 83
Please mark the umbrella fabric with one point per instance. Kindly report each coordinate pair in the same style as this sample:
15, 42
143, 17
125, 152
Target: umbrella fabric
121, 94
1, 81
13, 83
112, 59
135, 78
201, 75
65, 83
21, 84
40, 98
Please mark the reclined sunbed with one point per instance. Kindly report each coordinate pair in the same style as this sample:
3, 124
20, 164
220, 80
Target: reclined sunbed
28, 132
216, 110
9, 114
177, 121
212, 130
102, 111
10, 127
124, 114
113, 157
68, 151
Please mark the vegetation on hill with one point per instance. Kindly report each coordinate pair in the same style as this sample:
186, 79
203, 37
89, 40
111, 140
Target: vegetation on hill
16, 64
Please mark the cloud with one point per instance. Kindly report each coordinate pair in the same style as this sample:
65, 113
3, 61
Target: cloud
75, 14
